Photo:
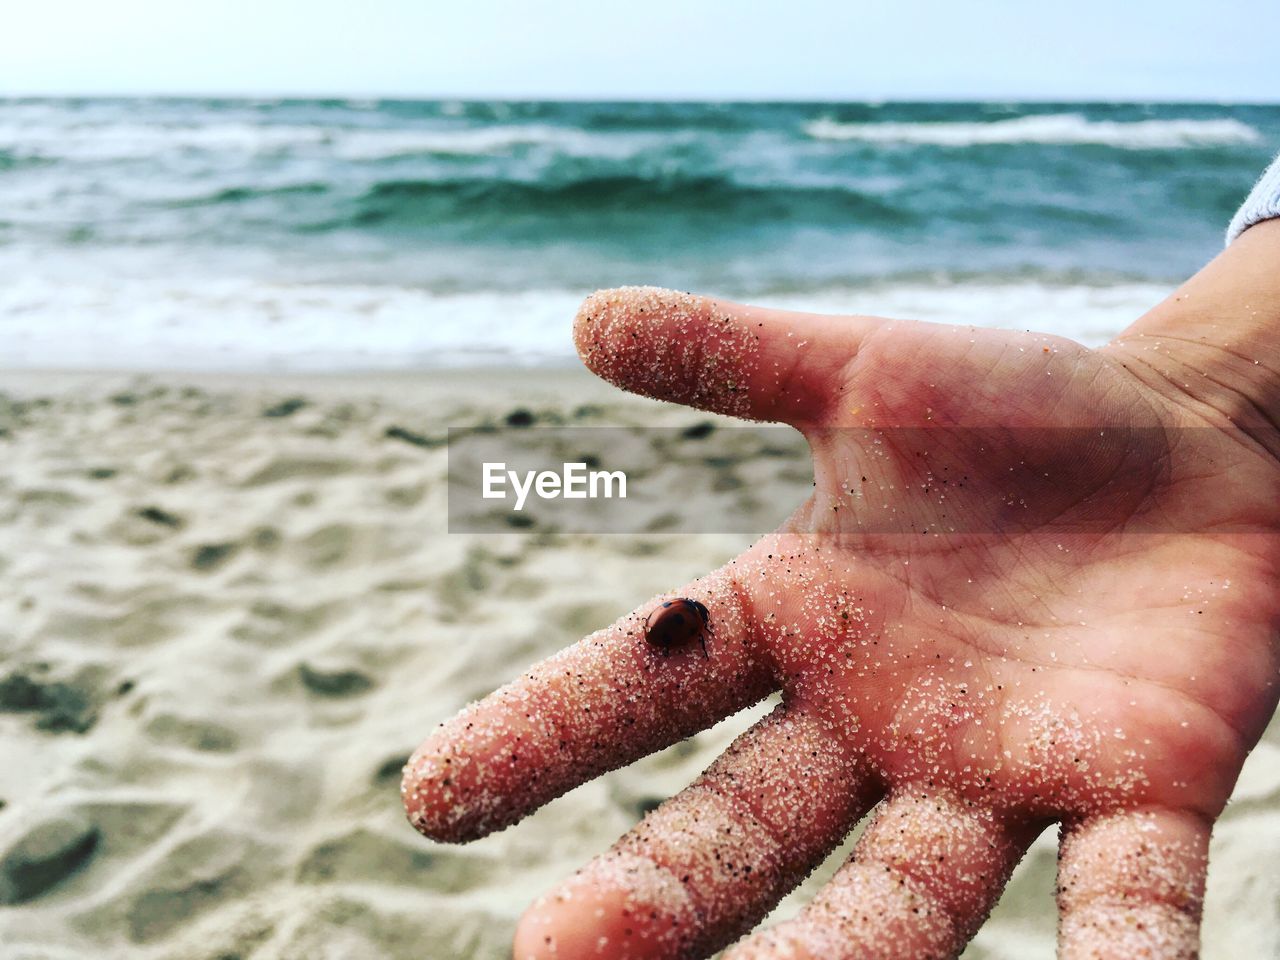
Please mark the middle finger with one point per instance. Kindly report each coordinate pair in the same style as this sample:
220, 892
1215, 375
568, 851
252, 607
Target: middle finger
710, 862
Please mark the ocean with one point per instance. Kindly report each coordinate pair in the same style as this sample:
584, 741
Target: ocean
319, 235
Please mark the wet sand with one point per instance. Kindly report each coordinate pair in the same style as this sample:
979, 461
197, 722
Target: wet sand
230, 609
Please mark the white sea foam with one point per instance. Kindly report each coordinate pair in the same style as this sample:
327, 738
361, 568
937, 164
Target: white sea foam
175, 324
123, 141
479, 141
1060, 128
137, 141
38, 131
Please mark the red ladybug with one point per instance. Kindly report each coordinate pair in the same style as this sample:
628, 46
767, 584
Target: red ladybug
677, 623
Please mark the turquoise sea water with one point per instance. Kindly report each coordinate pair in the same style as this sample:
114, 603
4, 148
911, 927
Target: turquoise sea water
344, 234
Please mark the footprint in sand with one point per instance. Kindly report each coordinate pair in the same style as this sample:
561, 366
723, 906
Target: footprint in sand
160, 517
146, 614
280, 469
363, 856
210, 556
194, 878
284, 408
391, 770
334, 681
466, 584
192, 733
44, 855
69, 851
59, 706
352, 923
143, 526
328, 546
414, 438
45, 505
272, 624
408, 495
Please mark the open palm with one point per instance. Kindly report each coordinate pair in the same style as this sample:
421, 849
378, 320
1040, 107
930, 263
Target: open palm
1034, 583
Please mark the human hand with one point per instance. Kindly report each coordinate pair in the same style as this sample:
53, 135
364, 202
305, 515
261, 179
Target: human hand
990, 615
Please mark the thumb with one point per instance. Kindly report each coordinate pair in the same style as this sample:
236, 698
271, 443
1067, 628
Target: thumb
749, 362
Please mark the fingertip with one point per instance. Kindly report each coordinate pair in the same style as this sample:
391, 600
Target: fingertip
594, 317
730, 358
672, 346
619, 907
467, 779
612, 323
594, 310
564, 925
429, 795
534, 939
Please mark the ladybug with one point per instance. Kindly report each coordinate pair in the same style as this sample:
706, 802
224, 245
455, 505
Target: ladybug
677, 623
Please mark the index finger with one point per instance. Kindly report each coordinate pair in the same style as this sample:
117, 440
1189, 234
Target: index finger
595, 706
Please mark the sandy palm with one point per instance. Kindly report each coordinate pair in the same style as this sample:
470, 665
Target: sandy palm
1034, 583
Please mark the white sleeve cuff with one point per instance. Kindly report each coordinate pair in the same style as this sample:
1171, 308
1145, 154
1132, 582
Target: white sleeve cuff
1263, 202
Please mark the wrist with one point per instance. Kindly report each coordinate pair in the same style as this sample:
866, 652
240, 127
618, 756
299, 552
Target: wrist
1215, 342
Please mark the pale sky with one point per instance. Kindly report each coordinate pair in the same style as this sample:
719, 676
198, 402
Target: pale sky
660, 49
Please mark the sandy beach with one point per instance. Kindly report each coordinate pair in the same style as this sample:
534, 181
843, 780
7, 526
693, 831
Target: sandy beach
230, 608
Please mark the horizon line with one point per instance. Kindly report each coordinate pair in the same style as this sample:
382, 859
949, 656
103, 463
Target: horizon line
635, 99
